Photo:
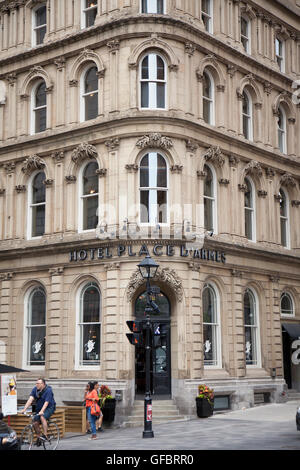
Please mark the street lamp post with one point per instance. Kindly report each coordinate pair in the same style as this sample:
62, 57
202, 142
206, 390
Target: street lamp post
148, 269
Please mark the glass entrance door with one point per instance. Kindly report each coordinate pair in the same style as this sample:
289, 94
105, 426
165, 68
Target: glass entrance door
160, 369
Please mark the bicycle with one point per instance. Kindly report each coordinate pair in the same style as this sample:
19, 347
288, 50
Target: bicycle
29, 438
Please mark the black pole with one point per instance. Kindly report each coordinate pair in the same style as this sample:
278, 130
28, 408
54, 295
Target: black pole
148, 401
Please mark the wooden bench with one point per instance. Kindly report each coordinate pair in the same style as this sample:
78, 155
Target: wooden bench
18, 422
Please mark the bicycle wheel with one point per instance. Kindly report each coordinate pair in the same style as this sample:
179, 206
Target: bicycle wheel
53, 437
27, 437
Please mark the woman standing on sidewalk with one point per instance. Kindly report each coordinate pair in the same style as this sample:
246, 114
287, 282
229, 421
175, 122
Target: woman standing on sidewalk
91, 398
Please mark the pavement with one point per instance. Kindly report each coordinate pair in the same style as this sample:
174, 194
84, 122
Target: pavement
264, 427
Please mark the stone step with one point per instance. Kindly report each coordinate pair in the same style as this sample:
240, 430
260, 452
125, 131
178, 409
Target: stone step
162, 412
293, 395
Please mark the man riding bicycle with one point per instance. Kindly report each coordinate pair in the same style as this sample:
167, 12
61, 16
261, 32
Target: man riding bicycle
45, 407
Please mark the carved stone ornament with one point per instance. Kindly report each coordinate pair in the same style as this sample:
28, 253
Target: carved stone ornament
33, 163
214, 155
112, 143
154, 140
165, 275
253, 168
287, 180
84, 151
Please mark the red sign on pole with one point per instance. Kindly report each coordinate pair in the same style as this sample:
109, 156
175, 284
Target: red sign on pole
149, 412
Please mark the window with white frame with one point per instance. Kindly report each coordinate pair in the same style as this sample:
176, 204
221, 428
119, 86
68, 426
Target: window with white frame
284, 218
153, 189
37, 205
207, 15
279, 53
39, 107
281, 129
89, 196
209, 196
89, 94
247, 115
89, 13
89, 325
153, 6
246, 34
153, 82
252, 344
35, 327
286, 305
39, 20
211, 326
249, 207
208, 98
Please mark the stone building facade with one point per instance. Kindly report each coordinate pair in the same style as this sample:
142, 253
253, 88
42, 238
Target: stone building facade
163, 126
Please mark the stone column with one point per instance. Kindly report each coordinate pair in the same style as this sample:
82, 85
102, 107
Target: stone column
114, 47
12, 108
275, 325
189, 102
58, 215
8, 340
9, 200
112, 217
60, 111
238, 330
71, 204
111, 327
196, 329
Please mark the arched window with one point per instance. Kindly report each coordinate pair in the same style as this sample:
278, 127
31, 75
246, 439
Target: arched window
89, 325
286, 305
39, 20
37, 206
281, 129
39, 107
284, 219
89, 13
209, 196
246, 33
249, 210
247, 115
35, 328
252, 344
89, 94
211, 326
89, 196
153, 189
207, 15
153, 82
152, 6
208, 98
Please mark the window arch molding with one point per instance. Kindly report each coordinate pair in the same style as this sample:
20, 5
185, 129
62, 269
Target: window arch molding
249, 86
287, 304
84, 61
31, 81
83, 92
153, 62
83, 358
284, 103
34, 326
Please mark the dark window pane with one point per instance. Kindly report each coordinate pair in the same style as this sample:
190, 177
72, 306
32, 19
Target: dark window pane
90, 17
40, 16
207, 111
40, 120
244, 27
90, 179
283, 230
245, 104
37, 345
160, 6
90, 209
38, 308
160, 68
282, 204
91, 305
91, 106
248, 224
162, 206
91, 80
206, 86
144, 172
246, 126
206, 6
248, 194
145, 95
145, 68
40, 34
208, 214
38, 220
40, 95
160, 95
161, 172
144, 209
208, 182
38, 188
208, 306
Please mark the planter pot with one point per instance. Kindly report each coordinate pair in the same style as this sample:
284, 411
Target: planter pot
204, 408
108, 410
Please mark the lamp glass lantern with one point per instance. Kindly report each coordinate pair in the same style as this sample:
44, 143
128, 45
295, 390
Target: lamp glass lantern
148, 267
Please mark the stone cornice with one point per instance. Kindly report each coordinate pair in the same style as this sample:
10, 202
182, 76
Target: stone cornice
164, 19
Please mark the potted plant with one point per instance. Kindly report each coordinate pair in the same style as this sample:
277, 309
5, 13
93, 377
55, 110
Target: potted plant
205, 401
107, 404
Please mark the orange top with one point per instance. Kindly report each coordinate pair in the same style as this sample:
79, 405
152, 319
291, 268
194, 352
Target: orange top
93, 394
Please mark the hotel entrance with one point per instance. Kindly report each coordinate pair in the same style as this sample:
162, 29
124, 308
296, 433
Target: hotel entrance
160, 360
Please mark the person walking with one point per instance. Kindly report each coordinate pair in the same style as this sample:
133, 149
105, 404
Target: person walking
86, 391
45, 407
91, 398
